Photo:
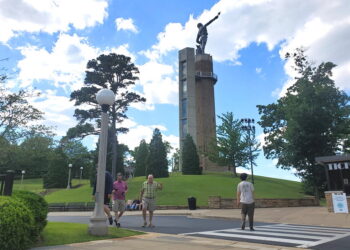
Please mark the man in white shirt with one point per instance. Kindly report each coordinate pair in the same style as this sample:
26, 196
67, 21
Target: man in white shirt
245, 196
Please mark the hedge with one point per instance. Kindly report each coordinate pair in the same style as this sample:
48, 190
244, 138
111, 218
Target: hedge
16, 224
38, 207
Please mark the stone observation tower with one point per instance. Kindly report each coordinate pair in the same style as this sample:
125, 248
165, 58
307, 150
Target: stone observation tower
196, 97
197, 103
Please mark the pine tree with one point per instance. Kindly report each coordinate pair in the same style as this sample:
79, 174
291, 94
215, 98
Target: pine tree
141, 154
157, 163
190, 158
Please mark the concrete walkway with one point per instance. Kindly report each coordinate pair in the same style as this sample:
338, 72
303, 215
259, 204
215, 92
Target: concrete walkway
317, 216
168, 242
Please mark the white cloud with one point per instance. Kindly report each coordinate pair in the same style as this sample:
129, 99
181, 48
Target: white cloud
18, 16
323, 28
258, 70
126, 24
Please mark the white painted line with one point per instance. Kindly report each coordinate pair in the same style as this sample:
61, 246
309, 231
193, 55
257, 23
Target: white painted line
262, 238
286, 234
297, 231
311, 227
312, 244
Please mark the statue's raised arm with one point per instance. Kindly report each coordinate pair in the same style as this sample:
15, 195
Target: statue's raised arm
202, 35
212, 20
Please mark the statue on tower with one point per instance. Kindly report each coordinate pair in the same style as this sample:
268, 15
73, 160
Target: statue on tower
202, 35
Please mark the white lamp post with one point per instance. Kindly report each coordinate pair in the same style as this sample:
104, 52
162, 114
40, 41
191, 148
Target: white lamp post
81, 174
69, 172
23, 172
98, 226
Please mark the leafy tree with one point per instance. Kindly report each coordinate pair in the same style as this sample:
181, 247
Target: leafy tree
34, 154
57, 173
157, 163
17, 115
117, 73
309, 121
252, 148
141, 154
77, 155
230, 147
176, 160
189, 157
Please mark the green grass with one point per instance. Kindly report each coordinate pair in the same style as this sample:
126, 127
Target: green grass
33, 185
60, 233
177, 188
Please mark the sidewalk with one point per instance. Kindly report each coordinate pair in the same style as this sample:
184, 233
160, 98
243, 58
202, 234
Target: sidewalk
317, 216
168, 242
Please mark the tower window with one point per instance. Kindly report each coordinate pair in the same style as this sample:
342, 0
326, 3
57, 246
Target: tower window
184, 108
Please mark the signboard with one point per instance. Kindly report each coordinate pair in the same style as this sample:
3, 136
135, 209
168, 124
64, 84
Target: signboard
340, 204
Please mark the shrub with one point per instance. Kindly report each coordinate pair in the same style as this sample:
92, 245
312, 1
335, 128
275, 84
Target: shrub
190, 158
16, 224
57, 173
38, 206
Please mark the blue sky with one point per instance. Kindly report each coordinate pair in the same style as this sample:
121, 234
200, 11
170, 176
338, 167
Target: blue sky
48, 43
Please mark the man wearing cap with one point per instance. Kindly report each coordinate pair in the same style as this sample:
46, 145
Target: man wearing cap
245, 196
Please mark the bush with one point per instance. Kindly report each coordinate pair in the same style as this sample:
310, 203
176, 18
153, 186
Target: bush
38, 206
16, 224
190, 158
57, 173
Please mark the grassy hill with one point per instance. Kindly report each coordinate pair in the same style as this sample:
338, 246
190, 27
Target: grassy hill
177, 188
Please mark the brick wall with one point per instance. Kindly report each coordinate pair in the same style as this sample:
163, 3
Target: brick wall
218, 202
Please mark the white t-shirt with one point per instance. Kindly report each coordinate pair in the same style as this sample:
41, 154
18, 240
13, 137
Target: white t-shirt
246, 188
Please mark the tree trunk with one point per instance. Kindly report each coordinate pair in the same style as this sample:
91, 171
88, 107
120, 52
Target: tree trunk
114, 143
234, 171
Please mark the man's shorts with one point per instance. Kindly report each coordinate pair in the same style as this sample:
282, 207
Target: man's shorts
248, 209
149, 204
118, 205
106, 200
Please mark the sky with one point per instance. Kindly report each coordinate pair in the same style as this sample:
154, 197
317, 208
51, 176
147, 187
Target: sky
48, 43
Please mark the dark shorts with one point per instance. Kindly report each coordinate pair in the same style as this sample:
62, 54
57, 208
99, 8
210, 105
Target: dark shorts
106, 200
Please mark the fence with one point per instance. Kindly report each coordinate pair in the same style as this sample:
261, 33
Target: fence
7, 183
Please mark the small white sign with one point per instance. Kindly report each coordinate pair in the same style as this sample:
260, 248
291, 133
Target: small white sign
340, 204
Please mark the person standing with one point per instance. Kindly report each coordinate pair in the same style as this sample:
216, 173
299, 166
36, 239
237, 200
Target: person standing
245, 196
148, 197
120, 188
107, 195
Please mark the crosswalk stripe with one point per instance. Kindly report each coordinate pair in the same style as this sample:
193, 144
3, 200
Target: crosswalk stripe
312, 227
300, 231
252, 237
286, 234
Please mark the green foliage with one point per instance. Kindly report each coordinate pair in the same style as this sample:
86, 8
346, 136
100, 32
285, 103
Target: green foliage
230, 147
57, 173
37, 205
176, 161
190, 158
309, 121
16, 224
141, 154
157, 163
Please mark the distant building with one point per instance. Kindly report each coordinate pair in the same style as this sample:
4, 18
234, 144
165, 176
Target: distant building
197, 103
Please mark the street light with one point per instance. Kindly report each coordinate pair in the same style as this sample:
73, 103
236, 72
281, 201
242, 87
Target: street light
98, 226
81, 174
23, 172
69, 172
250, 128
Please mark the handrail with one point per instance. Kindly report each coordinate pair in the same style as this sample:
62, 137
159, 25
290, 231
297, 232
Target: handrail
200, 74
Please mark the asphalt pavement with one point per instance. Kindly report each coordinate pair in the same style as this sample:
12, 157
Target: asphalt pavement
279, 234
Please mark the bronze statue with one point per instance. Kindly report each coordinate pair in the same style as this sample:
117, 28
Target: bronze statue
202, 35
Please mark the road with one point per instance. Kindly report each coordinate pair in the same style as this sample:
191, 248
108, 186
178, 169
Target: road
302, 236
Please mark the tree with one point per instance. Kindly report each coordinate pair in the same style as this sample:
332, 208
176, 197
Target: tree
157, 163
17, 115
117, 73
57, 173
230, 147
141, 155
176, 161
309, 121
189, 157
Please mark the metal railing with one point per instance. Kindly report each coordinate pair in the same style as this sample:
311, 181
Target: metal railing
210, 75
